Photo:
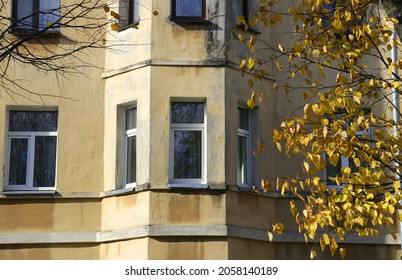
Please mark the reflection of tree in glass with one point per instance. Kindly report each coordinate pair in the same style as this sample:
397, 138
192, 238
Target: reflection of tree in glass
188, 112
32, 121
45, 161
187, 161
188, 8
18, 161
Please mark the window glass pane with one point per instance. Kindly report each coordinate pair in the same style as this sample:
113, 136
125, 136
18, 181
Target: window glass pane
187, 154
332, 171
49, 12
131, 118
185, 112
32, 121
18, 161
242, 176
128, 12
189, 8
45, 161
131, 160
23, 10
243, 119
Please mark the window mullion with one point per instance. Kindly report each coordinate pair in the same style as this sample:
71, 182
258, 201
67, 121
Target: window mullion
30, 161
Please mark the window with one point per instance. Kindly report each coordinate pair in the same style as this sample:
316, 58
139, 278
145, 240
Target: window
187, 142
130, 140
31, 151
332, 171
188, 10
243, 148
30, 16
247, 8
128, 12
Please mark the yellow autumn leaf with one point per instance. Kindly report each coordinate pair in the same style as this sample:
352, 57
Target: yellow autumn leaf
261, 147
251, 63
114, 14
356, 161
279, 65
337, 24
342, 251
278, 228
270, 236
241, 20
106, 8
306, 166
326, 239
243, 63
115, 26
353, 74
251, 103
265, 185
313, 254
397, 186
333, 246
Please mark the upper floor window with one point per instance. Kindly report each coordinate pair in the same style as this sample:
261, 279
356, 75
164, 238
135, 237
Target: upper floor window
128, 12
247, 9
31, 150
187, 142
130, 139
188, 10
31, 16
243, 152
333, 170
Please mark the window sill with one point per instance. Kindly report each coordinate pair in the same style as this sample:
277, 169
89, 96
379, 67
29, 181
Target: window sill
190, 20
249, 29
11, 192
187, 186
133, 25
34, 33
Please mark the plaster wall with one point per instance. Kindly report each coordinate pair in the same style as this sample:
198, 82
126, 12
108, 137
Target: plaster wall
130, 46
122, 91
187, 248
79, 147
187, 207
49, 215
174, 41
49, 252
120, 212
136, 249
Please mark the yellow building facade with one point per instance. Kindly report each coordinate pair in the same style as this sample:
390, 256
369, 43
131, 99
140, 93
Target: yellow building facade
148, 154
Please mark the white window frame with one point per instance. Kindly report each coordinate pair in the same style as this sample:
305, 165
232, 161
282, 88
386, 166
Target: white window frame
30, 135
41, 9
128, 134
188, 127
246, 134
